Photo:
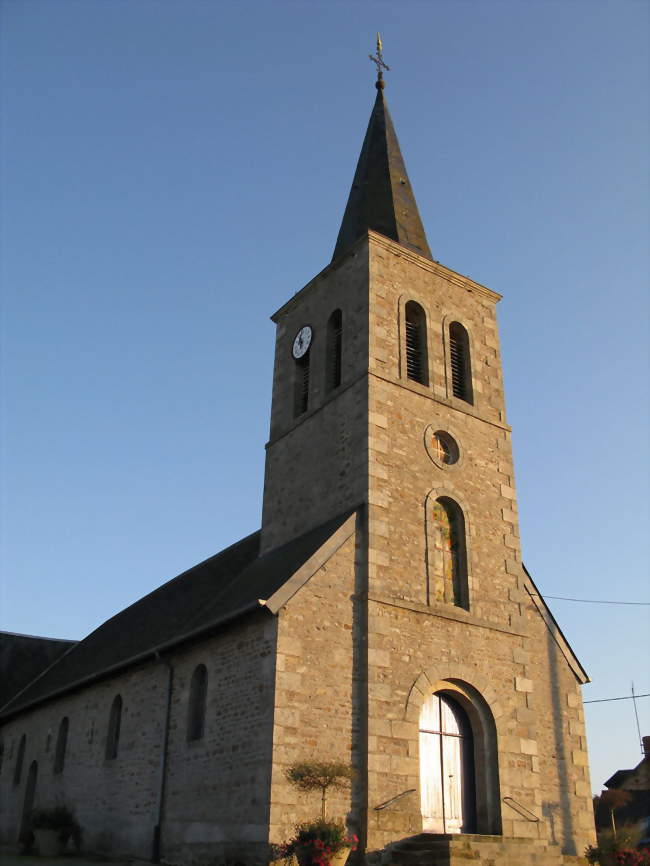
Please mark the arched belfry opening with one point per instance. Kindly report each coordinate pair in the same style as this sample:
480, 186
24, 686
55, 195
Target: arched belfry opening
459, 779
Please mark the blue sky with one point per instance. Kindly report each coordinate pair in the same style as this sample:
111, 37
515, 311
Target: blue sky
174, 171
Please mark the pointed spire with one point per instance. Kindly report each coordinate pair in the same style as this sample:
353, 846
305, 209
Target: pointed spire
381, 197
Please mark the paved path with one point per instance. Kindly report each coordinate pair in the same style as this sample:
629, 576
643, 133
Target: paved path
11, 859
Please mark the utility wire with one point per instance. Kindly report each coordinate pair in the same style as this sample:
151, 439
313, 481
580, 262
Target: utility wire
596, 601
638, 726
624, 698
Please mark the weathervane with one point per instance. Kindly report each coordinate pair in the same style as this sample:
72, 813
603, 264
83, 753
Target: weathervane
379, 61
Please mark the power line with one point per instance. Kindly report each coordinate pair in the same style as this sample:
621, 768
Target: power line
636, 713
624, 698
596, 601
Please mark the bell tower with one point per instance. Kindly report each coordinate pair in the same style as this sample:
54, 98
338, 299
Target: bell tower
388, 401
317, 455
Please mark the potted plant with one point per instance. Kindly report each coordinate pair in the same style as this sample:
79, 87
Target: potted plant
618, 849
53, 827
320, 843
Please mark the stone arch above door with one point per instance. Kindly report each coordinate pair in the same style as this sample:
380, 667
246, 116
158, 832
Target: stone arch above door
479, 701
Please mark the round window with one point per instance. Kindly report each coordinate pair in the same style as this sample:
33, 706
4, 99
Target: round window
441, 447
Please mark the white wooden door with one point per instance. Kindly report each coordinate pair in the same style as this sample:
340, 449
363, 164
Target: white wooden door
441, 767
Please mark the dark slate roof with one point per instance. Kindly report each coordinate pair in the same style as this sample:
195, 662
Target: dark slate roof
381, 197
212, 593
619, 777
23, 657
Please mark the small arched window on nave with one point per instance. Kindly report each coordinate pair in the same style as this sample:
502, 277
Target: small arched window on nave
461, 366
417, 361
114, 725
197, 704
61, 745
447, 553
20, 759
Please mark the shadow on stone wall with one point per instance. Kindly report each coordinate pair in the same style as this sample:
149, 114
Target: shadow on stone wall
562, 808
359, 793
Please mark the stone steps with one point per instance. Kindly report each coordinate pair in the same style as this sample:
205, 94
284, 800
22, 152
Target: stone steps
429, 849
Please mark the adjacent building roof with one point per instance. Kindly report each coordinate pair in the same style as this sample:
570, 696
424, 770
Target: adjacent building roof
228, 585
381, 197
23, 657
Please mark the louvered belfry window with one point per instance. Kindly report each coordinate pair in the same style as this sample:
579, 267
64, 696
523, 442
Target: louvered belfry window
334, 352
416, 344
461, 371
301, 385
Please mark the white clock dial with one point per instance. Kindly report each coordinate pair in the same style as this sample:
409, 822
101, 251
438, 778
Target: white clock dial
302, 342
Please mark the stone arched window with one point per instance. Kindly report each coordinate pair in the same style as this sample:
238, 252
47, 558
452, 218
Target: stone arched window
447, 553
114, 725
417, 361
197, 704
461, 366
20, 759
334, 351
25, 834
61, 745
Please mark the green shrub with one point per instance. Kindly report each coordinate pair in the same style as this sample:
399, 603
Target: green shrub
60, 819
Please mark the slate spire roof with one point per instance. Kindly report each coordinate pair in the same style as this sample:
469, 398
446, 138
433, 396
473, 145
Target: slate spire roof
381, 197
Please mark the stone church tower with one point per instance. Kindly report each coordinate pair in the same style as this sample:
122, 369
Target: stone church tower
440, 666
382, 616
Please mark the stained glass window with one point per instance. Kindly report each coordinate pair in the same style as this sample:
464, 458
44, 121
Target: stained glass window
447, 567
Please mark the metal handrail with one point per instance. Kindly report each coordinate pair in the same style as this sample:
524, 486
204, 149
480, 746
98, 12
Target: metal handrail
521, 810
394, 799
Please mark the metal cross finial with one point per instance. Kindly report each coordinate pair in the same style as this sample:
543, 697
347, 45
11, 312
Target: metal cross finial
379, 61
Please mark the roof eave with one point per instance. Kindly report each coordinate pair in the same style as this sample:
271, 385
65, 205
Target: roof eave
551, 623
139, 658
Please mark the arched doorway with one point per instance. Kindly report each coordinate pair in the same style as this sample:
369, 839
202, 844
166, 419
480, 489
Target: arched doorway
25, 834
447, 779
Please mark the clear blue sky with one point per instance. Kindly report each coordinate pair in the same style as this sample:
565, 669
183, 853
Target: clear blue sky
174, 171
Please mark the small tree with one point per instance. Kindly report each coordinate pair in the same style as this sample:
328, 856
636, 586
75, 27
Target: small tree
614, 799
319, 776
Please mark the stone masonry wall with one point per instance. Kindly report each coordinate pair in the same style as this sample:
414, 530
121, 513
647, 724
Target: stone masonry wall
217, 787
416, 643
555, 717
115, 800
316, 463
217, 801
317, 681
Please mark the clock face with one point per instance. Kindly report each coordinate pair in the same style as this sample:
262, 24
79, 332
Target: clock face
302, 342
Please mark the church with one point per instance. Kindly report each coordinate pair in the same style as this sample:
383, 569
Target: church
382, 615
